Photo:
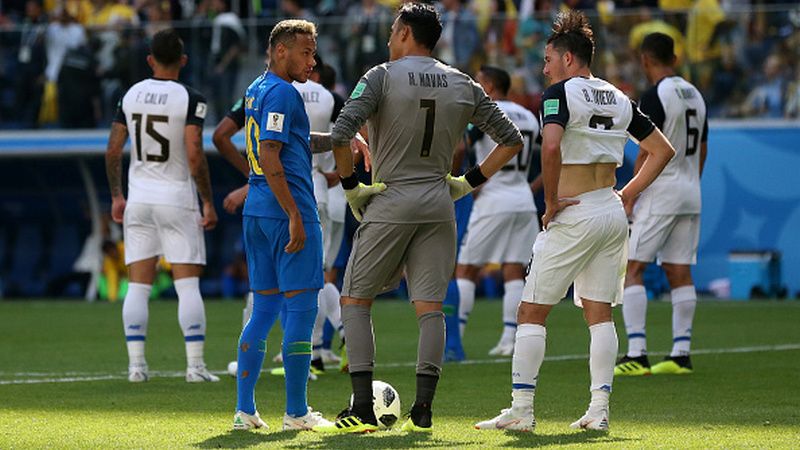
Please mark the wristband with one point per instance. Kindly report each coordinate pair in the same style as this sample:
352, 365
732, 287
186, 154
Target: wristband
475, 177
349, 182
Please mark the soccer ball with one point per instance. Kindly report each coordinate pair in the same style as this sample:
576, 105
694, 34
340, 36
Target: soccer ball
385, 403
233, 367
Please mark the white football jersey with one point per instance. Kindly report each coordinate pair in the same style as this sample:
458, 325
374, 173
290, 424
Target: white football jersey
156, 113
597, 119
508, 190
319, 107
678, 109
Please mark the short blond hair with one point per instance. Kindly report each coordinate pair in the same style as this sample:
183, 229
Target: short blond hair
285, 31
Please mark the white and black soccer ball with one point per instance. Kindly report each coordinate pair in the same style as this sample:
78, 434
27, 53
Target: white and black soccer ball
385, 403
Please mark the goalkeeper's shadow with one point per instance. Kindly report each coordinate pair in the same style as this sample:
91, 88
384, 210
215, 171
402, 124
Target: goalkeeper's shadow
380, 439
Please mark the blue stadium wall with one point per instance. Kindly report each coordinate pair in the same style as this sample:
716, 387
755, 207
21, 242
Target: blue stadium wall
751, 197
751, 201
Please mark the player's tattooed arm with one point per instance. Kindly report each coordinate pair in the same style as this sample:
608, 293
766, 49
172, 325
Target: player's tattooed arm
116, 142
198, 165
321, 142
198, 162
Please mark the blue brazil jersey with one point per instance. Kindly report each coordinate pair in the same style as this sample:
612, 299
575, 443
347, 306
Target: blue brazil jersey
274, 110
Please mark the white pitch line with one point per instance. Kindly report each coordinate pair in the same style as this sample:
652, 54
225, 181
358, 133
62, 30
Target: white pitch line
59, 377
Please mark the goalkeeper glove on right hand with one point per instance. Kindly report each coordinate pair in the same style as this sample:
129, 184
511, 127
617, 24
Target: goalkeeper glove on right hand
358, 194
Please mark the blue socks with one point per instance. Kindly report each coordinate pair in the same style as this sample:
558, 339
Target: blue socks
297, 315
253, 346
300, 314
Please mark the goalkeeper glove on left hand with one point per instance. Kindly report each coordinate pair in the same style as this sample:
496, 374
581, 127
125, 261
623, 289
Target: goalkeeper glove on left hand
463, 185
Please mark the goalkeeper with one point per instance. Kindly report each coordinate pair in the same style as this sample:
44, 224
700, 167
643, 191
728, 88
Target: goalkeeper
415, 108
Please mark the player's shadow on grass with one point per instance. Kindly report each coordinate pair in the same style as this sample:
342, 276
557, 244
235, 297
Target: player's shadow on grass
527, 440
378, 440
239, 439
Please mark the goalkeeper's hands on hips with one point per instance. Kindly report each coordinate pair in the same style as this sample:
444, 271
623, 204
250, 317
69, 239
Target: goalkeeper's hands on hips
358, 197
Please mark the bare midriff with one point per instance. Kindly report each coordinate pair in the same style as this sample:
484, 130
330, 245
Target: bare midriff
577, 179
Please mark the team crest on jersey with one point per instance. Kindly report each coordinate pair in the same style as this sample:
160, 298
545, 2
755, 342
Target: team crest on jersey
200, 110
275, 122
551, 106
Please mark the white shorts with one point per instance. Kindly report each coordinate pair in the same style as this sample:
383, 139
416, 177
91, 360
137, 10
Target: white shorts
499, 238
670, 239
585, 244
154, 230
332, 234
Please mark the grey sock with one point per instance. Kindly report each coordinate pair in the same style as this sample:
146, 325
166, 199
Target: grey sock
360, 343
430, 352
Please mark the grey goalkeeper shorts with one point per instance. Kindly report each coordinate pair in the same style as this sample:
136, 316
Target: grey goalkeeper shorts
383, 252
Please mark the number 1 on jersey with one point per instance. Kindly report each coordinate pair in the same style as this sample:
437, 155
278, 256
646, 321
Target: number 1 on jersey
430, 118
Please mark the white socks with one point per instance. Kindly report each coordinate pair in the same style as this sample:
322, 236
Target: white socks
684, 301
329, 308
192, 318
602, 353
634, 311
511, 298
248, 309
134, 318
466, 301
528, 356
529, 353
333, 310
316, 333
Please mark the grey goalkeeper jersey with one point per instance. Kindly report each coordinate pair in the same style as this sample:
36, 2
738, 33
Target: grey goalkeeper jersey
417, 109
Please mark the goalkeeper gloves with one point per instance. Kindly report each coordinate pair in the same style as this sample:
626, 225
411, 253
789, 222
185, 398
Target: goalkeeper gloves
463, 185
358, 194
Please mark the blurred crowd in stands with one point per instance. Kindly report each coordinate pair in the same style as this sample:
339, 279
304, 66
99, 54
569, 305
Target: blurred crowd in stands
65, 63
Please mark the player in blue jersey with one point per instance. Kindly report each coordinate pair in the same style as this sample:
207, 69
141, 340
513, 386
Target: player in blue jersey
282, 235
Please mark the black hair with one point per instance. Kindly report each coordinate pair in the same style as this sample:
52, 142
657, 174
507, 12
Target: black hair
659, 46
572, 33
167, 47
327, 77
318, 63
500, 78
426, 26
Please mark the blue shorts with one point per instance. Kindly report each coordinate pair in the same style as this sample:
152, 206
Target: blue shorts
268, 264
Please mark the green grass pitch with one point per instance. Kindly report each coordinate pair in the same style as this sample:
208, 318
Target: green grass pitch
63, 383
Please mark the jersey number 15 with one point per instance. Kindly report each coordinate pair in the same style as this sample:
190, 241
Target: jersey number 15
149, 121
